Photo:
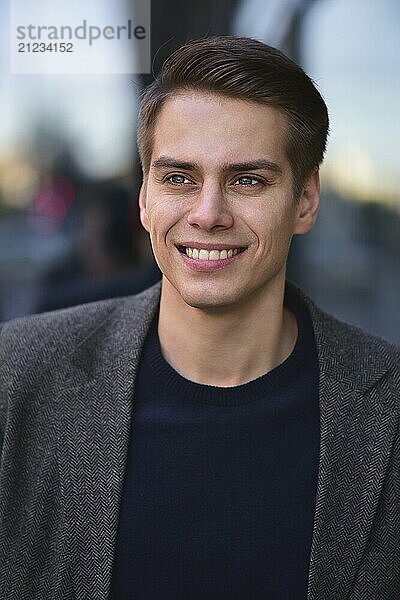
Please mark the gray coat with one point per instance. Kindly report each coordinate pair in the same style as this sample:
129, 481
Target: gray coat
66, 396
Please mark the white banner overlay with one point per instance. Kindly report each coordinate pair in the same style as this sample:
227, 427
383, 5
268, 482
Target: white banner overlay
80, 36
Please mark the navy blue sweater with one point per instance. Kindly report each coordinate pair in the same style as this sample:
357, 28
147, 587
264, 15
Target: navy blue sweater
219, 496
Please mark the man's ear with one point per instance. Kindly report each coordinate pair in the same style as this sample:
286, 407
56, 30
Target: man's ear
142, 205
308, 204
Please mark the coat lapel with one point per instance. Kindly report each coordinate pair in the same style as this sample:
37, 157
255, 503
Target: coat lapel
96, 407
358, 422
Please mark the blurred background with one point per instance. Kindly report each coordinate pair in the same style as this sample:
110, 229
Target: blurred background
69, 171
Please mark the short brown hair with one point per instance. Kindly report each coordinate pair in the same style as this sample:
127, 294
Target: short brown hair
246, 69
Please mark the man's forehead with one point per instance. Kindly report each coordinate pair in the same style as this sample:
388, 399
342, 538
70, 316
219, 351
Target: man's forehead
200, 103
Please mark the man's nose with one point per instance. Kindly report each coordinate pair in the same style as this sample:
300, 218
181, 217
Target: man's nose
210, 209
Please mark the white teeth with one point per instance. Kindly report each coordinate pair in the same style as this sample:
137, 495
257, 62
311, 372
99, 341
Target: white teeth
204, 255
212, 254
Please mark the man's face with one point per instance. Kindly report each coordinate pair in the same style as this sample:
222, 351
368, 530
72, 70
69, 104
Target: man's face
220, 187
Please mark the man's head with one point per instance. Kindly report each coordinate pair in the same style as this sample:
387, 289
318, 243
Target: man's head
248, 70
221, 169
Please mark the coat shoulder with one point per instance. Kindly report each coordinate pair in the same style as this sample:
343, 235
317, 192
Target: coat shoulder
344, 336
348, 337
348, 353
37, 338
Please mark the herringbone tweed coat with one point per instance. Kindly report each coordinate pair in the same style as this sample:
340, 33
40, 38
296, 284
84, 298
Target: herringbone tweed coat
67, 390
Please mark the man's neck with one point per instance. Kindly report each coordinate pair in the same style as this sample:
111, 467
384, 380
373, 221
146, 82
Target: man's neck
228, 347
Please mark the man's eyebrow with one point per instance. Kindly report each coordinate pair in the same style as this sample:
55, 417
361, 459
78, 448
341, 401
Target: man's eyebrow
253, 165
165, 161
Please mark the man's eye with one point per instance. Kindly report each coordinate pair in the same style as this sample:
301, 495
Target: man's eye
247, 180
178, 179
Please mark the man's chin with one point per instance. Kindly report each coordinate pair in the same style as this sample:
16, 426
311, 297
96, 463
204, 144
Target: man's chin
209, 298
212, 303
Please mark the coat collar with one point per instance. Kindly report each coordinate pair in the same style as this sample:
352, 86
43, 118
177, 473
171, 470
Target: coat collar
357, 426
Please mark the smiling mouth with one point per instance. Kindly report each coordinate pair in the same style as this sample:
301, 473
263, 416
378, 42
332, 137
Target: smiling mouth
212, 254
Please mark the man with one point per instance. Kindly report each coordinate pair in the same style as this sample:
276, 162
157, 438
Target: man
216, 436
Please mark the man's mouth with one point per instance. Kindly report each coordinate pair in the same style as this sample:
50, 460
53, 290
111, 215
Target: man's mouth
211, 254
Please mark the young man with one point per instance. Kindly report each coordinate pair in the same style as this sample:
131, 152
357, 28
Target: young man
216, 436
